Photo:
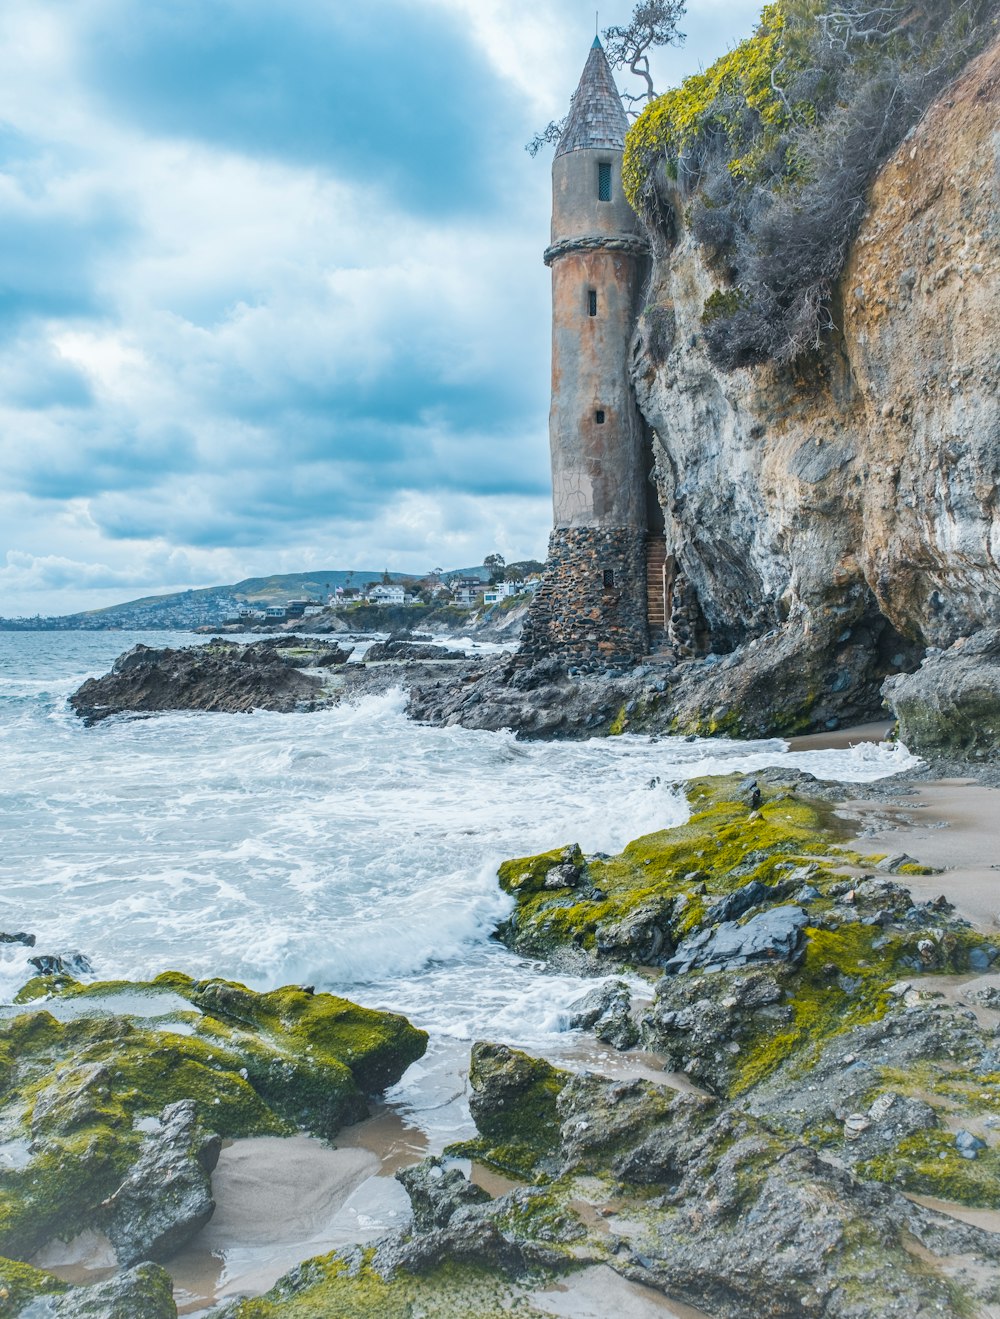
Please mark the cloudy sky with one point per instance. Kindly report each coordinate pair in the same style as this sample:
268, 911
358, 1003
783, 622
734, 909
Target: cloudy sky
271, 295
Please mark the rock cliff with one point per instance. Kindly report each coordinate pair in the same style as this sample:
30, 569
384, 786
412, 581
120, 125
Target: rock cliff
832, 521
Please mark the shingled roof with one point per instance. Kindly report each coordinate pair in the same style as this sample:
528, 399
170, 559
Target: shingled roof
596, 116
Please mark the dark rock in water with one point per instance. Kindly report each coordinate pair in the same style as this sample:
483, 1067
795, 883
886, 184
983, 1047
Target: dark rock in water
408, 650
51, 964
221, 676
583, 1012
507, 1088
145, 1292
775, 935
27, 939
607, 1010
167, 1196
437, 1193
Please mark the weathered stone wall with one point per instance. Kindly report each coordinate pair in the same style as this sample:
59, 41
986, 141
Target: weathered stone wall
578, 618
597, 477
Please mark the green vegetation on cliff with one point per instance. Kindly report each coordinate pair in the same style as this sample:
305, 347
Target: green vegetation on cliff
772, 149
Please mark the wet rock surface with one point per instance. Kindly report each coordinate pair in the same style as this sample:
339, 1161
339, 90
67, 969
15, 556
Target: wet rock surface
220, 676
398, 649
950, 707
114, 1112
166, 1197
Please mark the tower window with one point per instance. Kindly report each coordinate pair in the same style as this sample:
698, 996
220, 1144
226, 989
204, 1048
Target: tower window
599, 416
592, 302
609, 577
604, 183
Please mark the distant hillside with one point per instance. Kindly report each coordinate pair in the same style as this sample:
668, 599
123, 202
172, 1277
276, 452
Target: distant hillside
213, 604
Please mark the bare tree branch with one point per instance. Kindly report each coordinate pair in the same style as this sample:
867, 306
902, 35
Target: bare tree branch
653, 23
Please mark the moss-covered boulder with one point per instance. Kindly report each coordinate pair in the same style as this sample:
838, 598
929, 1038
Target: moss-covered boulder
636, 907
87, 1067
145, 1291
512, 1098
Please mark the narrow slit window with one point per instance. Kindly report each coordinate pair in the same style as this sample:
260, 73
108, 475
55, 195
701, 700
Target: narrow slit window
592, 302
604, 183
599, 416
609, 577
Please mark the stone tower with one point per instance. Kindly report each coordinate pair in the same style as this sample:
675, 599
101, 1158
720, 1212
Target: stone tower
591, 608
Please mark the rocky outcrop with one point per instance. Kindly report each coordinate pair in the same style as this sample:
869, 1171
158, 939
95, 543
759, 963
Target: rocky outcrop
397, 649
166, 1197
116, 1106
220, 676
950, 708
830, 521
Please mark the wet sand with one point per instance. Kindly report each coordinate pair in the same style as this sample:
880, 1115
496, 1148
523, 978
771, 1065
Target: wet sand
598, 1292
951, 824
279, 1201
842, 739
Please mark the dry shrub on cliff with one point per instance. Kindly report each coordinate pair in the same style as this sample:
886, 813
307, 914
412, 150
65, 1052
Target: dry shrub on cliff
776, 145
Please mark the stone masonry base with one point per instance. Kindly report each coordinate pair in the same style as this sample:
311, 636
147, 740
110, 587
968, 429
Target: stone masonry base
591, 607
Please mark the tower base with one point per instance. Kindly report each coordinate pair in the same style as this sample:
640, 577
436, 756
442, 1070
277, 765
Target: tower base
590, 610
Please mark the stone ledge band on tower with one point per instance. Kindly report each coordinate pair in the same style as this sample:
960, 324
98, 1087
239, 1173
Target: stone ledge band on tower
630, 246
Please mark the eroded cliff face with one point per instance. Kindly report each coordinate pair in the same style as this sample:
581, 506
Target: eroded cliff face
831, 522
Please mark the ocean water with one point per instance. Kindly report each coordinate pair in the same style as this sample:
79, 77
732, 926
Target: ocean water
352, 849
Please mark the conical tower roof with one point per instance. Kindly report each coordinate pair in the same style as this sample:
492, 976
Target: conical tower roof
596, 116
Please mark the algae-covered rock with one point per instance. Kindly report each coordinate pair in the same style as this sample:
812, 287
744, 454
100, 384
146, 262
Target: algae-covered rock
636, 907
21, 1283
77, 1093
437, 1192
513, 1103
145, 1292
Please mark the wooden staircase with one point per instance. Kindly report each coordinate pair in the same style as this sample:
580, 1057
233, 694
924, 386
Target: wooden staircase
658, 585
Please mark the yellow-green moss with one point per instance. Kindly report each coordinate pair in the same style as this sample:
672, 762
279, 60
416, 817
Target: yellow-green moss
821, 1007
254, 1064
745, 80
335, 1289
520, 1124
618, 724
20, 1283
723, 845
929, 1163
